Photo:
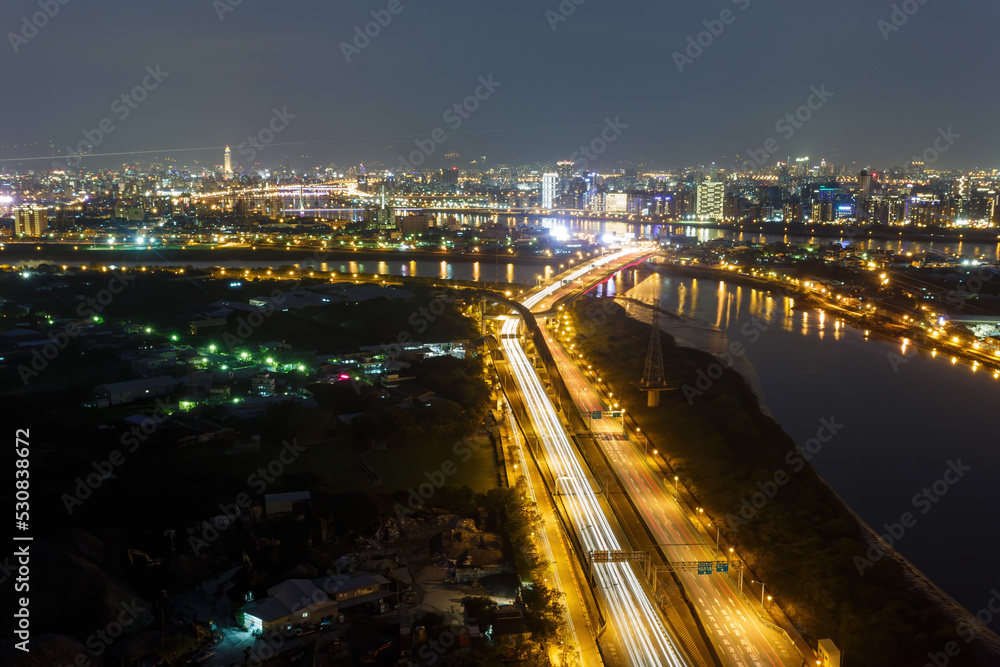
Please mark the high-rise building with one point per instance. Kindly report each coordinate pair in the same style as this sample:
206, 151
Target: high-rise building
710, 199
824, 202
594, 201
30, 220
712, 172
962, 191
864, 186
616, 202
550, 187
385, 216
449, 177
565, 169
362, 175
227, 163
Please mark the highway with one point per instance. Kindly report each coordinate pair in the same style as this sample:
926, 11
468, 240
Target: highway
624, 259
741, 639
641, 632
582, 649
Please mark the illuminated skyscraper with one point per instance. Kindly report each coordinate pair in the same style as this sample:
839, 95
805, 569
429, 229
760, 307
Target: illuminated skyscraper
710, 199
550, 189
30, 220
227, 163
864, 186
565, 169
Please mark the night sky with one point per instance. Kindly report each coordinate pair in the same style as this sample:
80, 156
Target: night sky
605, 60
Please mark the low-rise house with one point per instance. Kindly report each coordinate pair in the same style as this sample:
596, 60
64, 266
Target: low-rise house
285, 504
298, 602
117, 393
509, 627
290, 604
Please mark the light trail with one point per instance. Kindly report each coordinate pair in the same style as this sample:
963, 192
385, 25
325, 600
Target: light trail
643, 636
741, 638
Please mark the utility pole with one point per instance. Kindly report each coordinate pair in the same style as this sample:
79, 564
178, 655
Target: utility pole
653, 380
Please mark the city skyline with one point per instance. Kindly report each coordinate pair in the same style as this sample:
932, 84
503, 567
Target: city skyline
687, 94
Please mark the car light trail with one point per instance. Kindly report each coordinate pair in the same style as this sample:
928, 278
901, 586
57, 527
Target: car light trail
741, 638
643, 636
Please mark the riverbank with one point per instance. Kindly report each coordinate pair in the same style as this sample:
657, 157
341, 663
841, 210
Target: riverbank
855, 232
913, 339
85, 253
803, 539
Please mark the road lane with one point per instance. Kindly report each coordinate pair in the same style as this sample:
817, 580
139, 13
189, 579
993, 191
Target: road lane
740, 637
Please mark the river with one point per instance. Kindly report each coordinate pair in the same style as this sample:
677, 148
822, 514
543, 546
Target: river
600, 227
486, 270
906, 418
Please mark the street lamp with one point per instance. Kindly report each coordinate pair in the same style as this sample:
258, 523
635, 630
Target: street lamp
675, 486
762, 584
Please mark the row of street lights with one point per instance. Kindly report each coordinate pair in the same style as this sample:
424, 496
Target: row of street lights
730, 554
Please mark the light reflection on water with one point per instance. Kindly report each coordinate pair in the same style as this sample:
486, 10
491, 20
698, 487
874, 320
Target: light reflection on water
904, 420
488, 271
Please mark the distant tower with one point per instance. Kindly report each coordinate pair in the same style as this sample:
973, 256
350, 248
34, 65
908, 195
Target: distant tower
227, 163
